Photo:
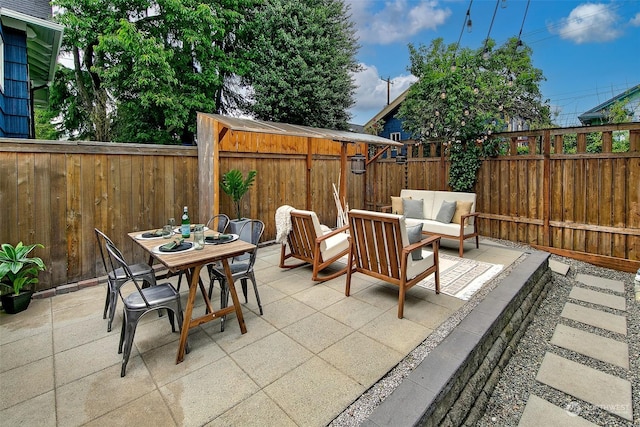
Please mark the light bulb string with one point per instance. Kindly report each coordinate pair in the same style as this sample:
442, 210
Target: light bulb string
486, 41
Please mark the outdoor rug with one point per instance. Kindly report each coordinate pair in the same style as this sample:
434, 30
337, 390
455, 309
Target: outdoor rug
461, 277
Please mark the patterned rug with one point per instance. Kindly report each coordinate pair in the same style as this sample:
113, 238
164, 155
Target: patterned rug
461, 277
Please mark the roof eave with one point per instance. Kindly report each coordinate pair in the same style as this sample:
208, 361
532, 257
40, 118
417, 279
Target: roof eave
44, 41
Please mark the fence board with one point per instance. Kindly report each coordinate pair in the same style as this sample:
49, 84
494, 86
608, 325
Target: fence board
42, 196
58, 211
604, 206
87, 216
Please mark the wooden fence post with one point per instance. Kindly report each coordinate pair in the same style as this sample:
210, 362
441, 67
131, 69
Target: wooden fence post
546, 183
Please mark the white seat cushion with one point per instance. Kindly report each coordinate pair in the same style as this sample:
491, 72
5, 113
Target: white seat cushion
416, 267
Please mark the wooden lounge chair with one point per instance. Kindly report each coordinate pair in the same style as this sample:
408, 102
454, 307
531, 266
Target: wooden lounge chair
380, 248
310, 243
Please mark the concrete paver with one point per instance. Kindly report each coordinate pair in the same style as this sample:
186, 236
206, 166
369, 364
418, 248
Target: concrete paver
539, 412
600, 282
603, 390
558, 267
600, 298
592, 345
599, 319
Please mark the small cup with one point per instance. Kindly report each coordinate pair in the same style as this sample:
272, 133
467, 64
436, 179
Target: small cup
198, 236
167, 231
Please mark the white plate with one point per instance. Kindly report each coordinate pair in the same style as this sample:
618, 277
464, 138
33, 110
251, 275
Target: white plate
140, 237
235, 237
156, 250
178, 231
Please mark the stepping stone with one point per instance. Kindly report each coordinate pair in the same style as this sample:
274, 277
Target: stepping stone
592, 345
603, 390
599, 282
539, 412
558, 267
597, 318
595, 297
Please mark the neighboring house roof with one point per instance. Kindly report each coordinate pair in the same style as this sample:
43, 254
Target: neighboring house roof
44, 39
388, 109
598, 113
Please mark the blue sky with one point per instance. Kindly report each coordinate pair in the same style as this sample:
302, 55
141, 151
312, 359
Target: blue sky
588, 51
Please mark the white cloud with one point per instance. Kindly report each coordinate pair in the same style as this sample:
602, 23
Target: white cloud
396, 21
371, 94
589, 22
635, 21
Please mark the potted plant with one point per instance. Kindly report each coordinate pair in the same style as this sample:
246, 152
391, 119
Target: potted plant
18, 270
236, 186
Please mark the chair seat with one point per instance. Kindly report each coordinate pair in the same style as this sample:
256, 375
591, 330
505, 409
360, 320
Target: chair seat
335, 245
155, 295
416, 267
235, 267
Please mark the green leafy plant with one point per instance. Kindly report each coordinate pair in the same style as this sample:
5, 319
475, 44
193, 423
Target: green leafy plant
17, 269
236, 186
465, 162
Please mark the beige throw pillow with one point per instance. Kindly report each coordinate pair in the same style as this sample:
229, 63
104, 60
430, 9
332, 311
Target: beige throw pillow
396, 205
462, 208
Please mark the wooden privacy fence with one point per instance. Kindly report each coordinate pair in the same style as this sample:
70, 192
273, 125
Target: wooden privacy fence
582, 205
55, 193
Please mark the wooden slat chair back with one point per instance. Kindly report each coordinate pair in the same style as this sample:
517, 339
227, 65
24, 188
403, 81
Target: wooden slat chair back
311, 244
380, 248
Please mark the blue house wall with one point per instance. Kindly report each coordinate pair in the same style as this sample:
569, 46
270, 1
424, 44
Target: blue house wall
2, 131
14, 100
392, 124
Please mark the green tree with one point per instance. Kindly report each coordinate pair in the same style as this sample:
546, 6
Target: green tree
143, 68
43, 124
302, 57
464, 95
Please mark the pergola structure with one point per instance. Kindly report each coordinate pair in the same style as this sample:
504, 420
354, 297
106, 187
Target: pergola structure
212, 128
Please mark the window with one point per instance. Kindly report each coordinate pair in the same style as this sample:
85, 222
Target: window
395, 136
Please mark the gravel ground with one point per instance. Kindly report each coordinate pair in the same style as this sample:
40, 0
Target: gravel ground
518, 381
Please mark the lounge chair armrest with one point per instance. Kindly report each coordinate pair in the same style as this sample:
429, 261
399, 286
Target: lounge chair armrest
385, 208
432, 240
469, 215
333, 233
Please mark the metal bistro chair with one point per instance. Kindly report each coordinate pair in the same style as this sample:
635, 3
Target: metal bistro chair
241, 268
140, 302
116, 277
223, 222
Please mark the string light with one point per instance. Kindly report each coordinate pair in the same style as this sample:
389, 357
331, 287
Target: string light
485, 54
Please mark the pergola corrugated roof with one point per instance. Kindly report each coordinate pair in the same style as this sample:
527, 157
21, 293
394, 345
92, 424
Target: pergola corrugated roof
250, 125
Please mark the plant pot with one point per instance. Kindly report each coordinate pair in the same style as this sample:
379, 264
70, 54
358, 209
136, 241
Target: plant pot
236, 224
13, 303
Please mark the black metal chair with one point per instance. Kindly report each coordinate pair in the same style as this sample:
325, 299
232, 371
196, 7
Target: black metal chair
241, 267
116, 276
140, 302
220, 222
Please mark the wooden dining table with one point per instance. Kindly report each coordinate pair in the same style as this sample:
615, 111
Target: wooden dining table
191, 262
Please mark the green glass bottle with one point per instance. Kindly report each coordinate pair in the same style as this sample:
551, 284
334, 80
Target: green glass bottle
186, 224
